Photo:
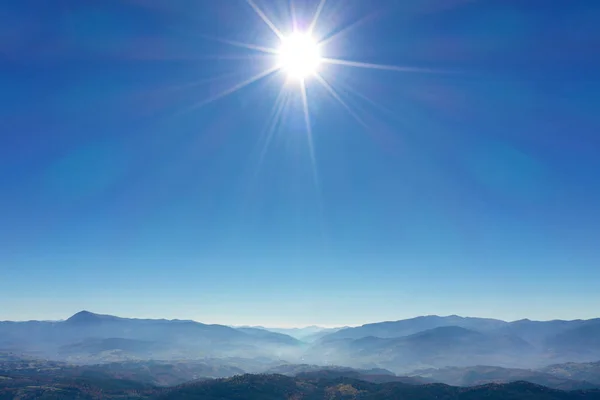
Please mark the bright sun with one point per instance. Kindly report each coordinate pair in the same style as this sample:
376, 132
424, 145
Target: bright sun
299, 55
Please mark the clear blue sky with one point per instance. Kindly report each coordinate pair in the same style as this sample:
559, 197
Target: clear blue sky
472, 188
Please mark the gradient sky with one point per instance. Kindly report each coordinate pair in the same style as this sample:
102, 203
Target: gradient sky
472, 188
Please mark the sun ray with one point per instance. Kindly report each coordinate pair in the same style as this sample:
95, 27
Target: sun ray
274, 119
313, 159
293, 15
367, 99
316, 17
385, 67
232, 57
376, 133
383, 135
309, 135
348, 28
336, 96
234, 88
199, 82
376, 105
236, 43
265, 19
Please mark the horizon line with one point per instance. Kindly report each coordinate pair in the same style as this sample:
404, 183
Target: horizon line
286, 326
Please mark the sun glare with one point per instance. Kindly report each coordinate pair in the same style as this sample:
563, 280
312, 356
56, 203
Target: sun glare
299, 55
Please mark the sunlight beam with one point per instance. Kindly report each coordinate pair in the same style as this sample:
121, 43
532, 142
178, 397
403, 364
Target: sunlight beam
265, 19
316, 17
384, 135
358, 64
367, 99
313, 158
274, 119
234, 88
198, 82
309, 136
293, 16
348, 28
336, 96
232, 57
248, 46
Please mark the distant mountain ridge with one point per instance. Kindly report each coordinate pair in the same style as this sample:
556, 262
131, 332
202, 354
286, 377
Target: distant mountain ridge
528, 329
400, 346
392, 329
89, 337
274, 336
306, 334
521, 344
437, 347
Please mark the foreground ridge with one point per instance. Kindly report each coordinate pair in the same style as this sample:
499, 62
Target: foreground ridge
30, 380
272, 387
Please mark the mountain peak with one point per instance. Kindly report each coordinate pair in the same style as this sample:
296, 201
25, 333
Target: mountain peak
87, 317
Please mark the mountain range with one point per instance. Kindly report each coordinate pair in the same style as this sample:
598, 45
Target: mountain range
458, 341
88, 337
481, 374
271, 387
25, 378
306, 334
277, 387
399, 346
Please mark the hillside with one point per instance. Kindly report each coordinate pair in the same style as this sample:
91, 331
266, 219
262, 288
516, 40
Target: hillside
89, 338
438, 347
277, 387
38, 379
478, 375
399, 346
589, 372
394, 329
433, 341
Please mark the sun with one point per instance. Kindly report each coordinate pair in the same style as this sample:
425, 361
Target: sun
299, 55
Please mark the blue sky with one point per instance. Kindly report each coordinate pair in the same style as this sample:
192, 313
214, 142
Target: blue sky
471, 187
